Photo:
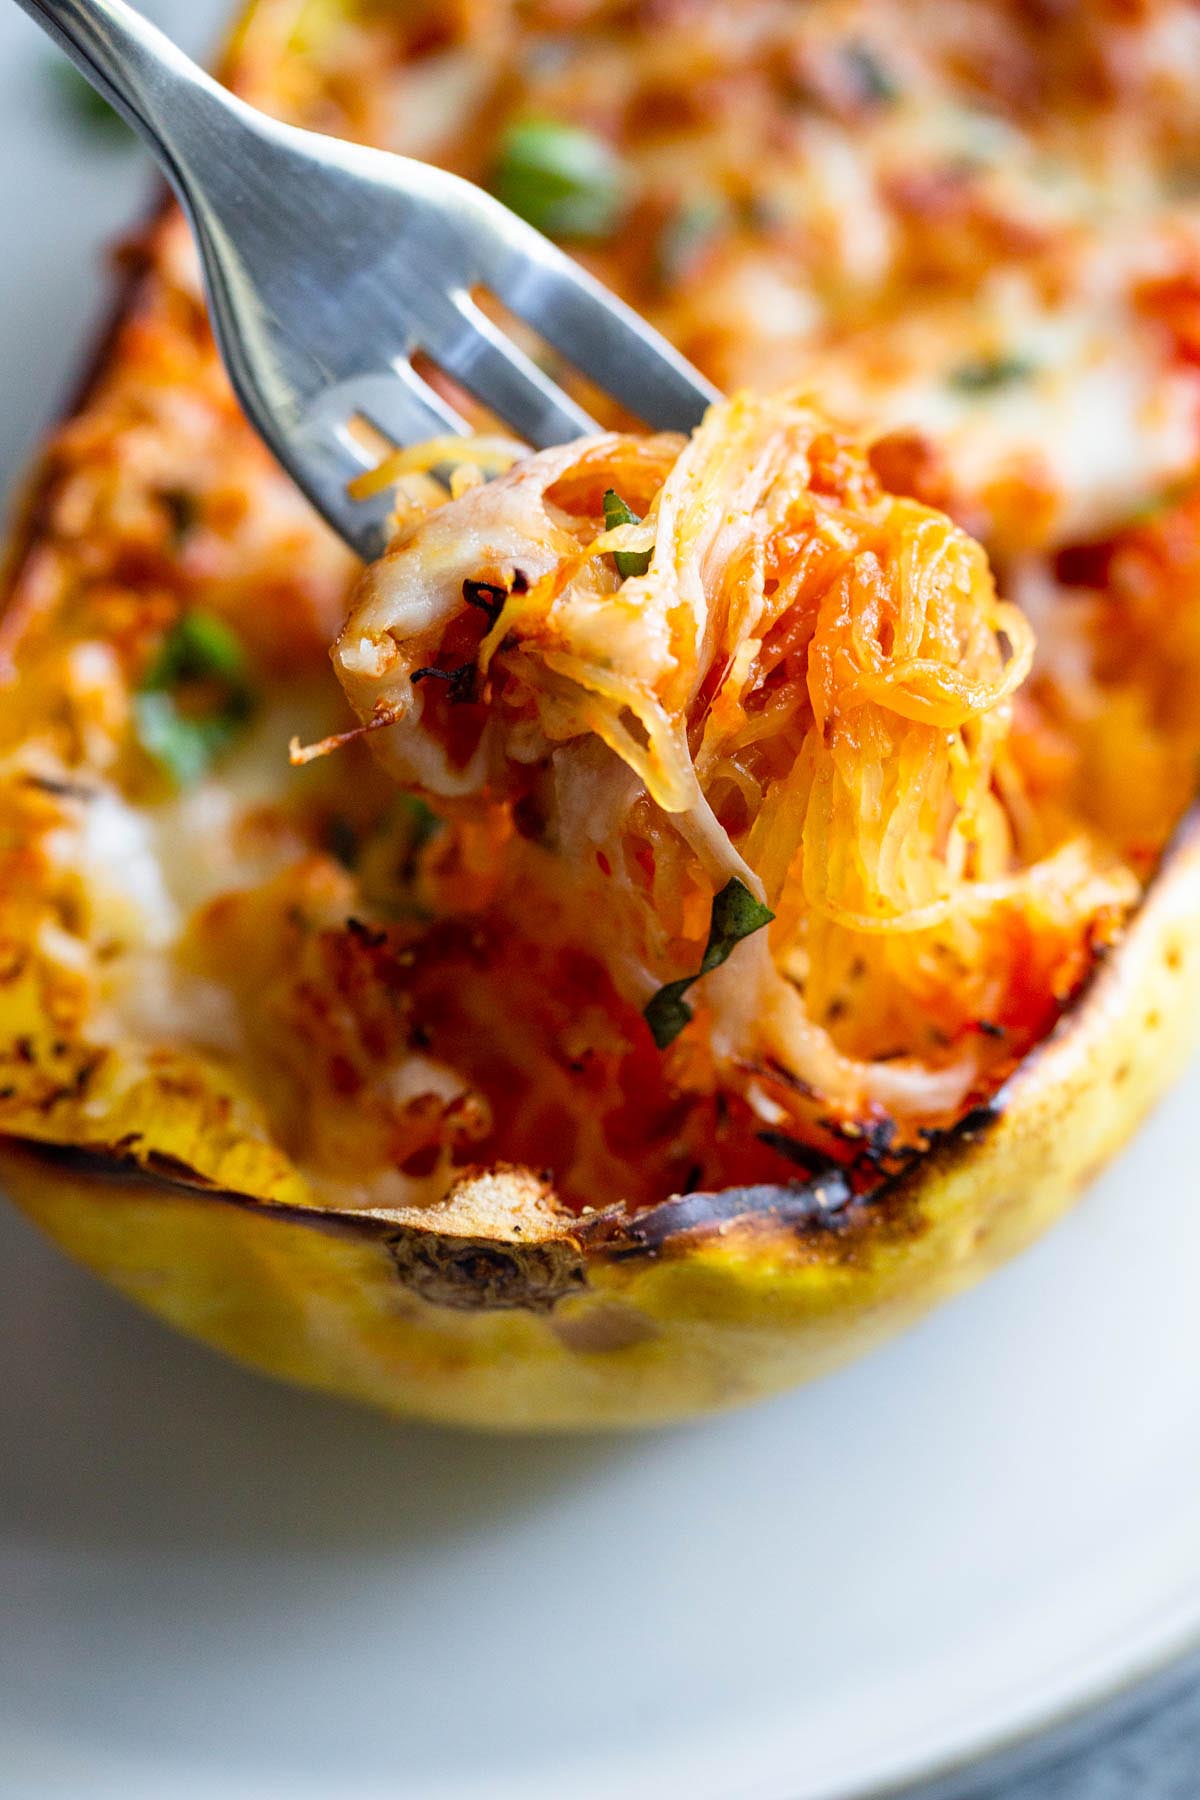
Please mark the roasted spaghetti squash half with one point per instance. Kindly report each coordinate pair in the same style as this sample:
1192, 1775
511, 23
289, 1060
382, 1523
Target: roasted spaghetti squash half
728, 893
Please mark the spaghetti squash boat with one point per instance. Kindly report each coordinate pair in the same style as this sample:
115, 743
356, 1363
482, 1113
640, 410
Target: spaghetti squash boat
752, 885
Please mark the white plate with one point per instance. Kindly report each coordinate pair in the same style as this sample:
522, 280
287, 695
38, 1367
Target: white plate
215, 1589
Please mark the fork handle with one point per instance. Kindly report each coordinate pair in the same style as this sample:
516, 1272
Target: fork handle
148, 79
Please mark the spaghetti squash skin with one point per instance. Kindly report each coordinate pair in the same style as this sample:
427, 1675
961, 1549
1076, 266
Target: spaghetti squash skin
492, 1305
487, 1313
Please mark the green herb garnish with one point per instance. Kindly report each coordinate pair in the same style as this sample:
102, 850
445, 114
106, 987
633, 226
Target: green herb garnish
419, 826
566, 181
195, 698
687, 235
89, 109
421, 821
198, 647
736, 914
616, 512
875, 83
987, 374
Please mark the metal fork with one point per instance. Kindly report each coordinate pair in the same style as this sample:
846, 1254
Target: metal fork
330, 266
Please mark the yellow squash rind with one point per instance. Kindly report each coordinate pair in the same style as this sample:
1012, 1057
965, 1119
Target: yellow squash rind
645, 1326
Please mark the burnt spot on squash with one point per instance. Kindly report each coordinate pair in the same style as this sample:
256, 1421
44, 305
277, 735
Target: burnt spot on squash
478, 1275
823, 1203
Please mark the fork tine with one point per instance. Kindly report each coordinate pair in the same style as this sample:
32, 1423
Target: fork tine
471, 348
324, 455
598, 333
402, 405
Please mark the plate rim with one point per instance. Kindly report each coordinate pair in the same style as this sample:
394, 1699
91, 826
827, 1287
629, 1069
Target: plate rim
1071, 1727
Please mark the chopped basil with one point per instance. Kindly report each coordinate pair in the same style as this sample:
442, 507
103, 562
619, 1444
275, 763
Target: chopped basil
669, 1012
421, 821
418, 825
89, 109
199, 647
616, 512
988, 374
687, 234
566, 181
182, 747
876, 85
736, 914
195, 699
